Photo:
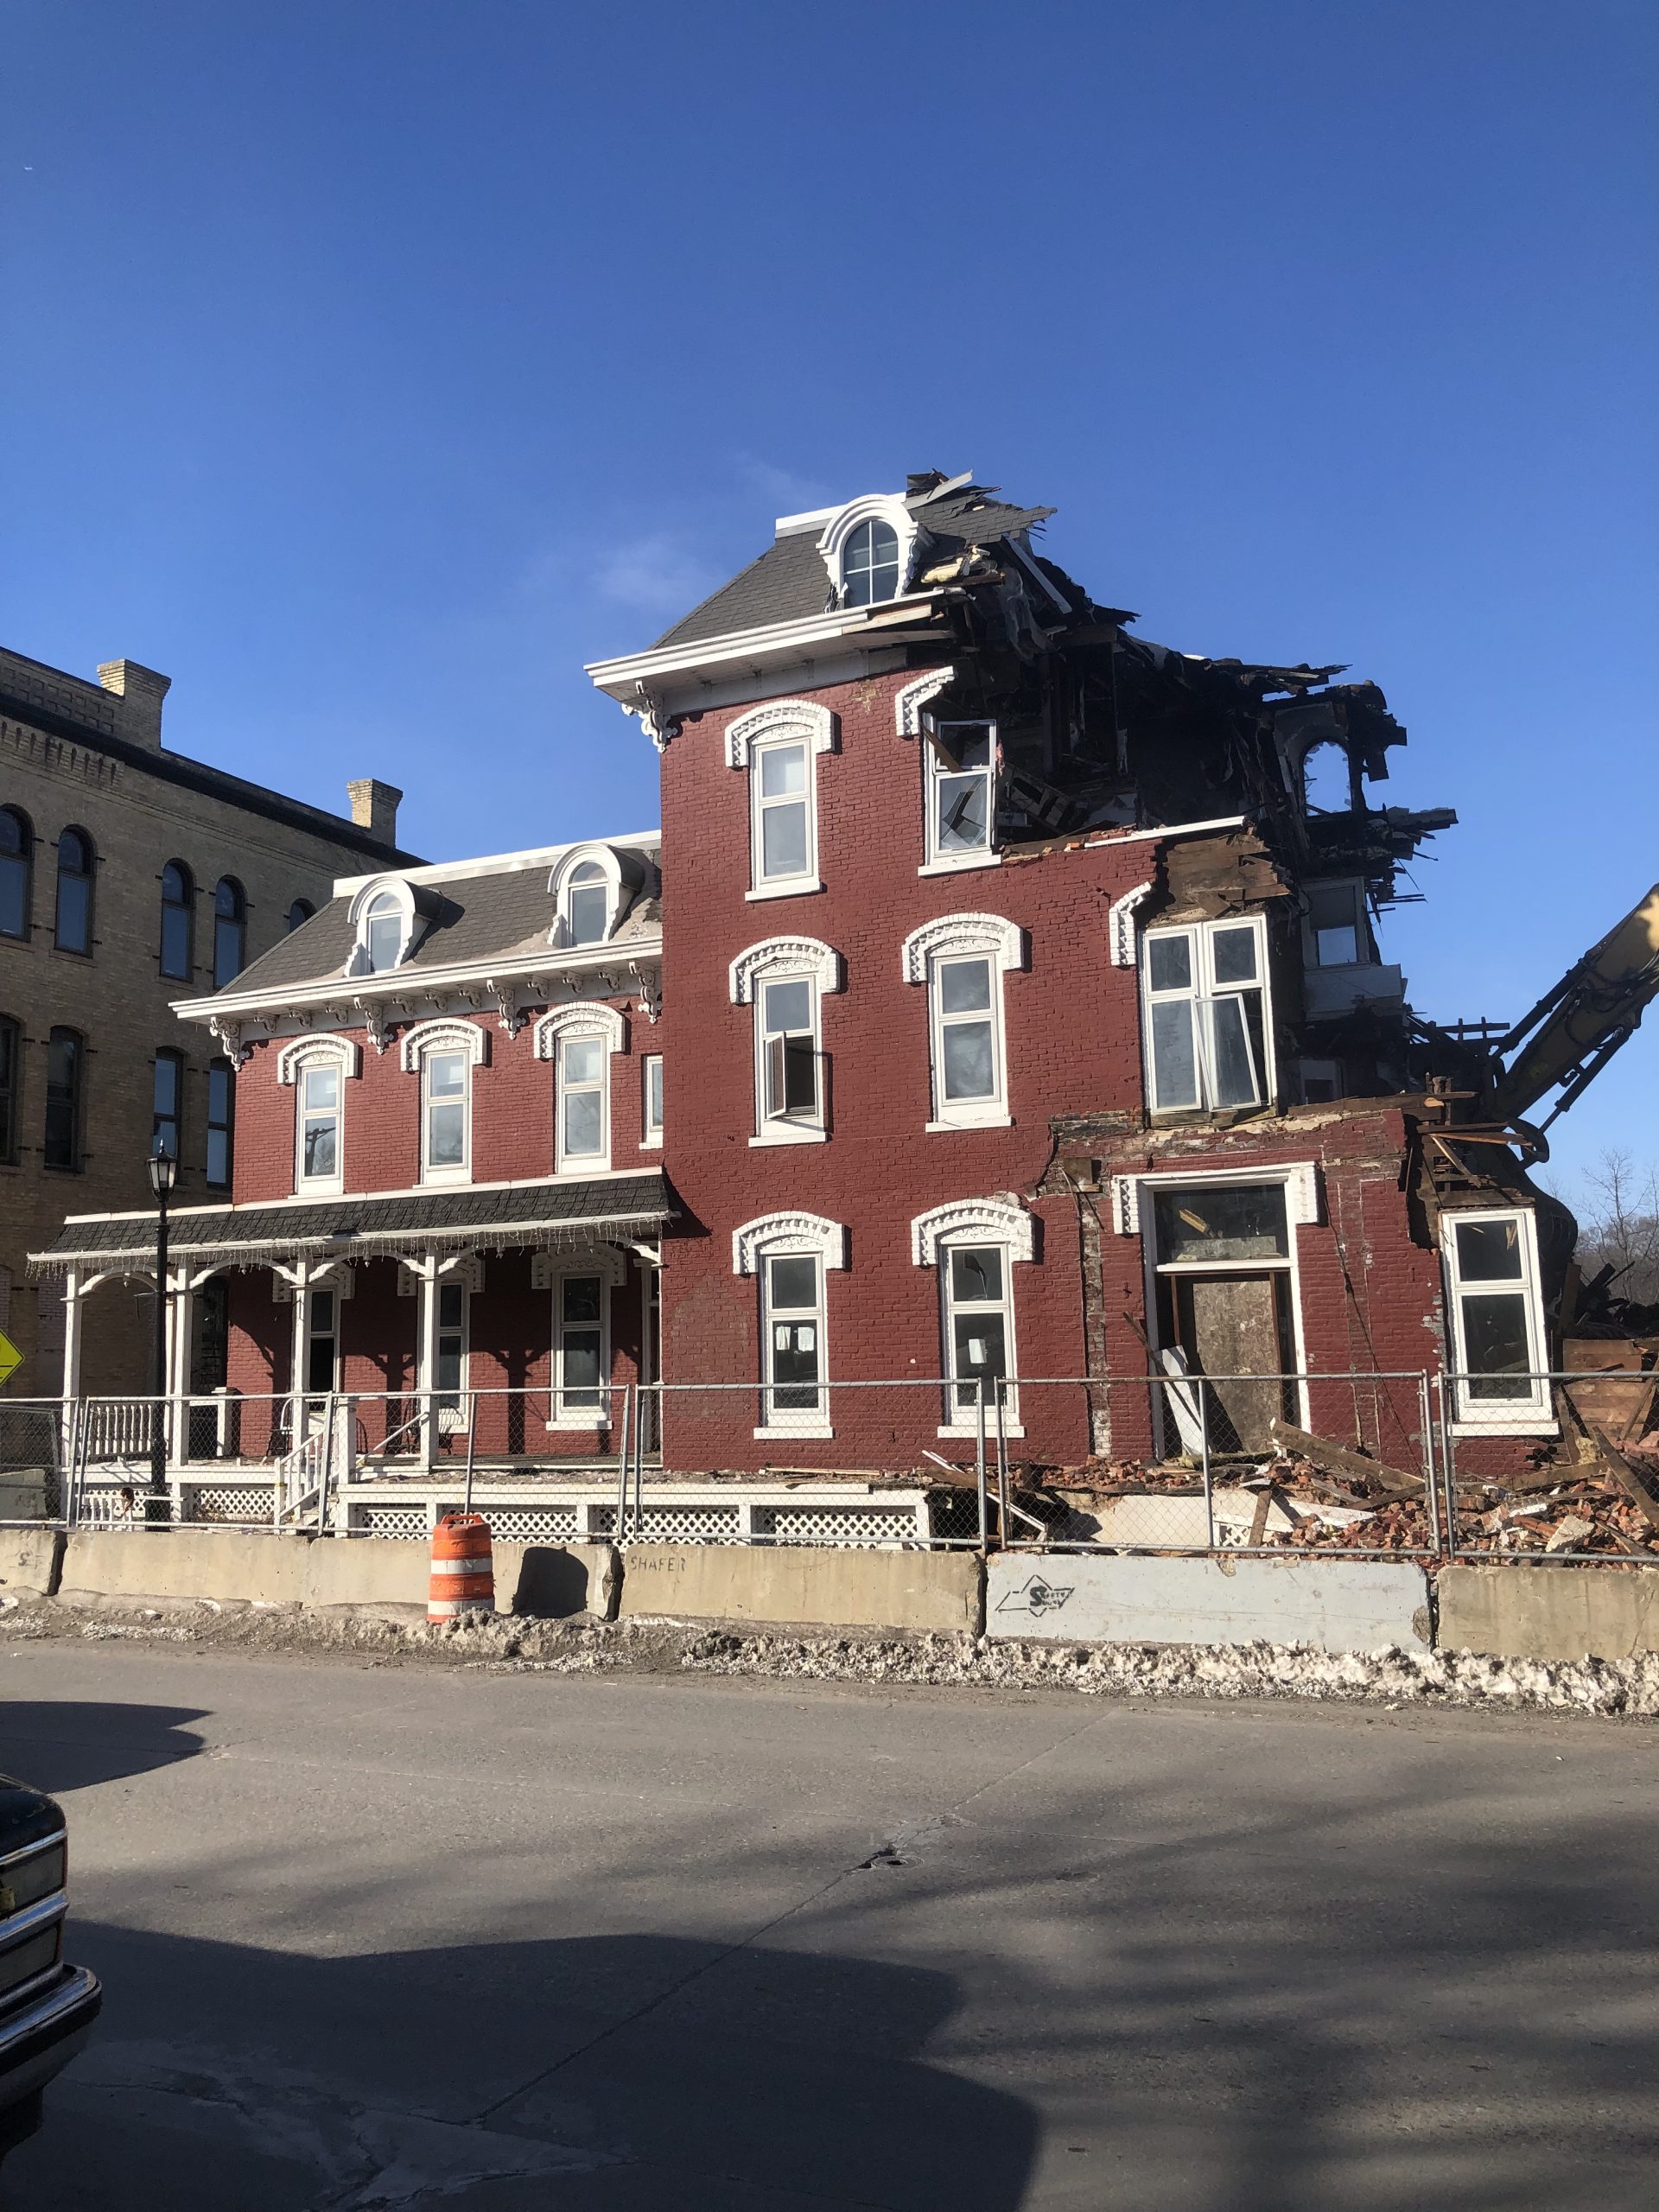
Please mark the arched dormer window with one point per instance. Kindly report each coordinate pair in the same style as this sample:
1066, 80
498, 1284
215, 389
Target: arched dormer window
386, 917
594, 885
230, 931
73, 931
17, 852
869, 550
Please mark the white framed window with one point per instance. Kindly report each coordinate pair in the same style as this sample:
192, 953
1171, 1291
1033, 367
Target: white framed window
386, 917
783, 831
590, 887
584, 1082
446, 1136
319, 1165
784, 981
960, 767
581, 1330
972, 1246
869, 547
452, 1379
1494, 1301
788, 1061
788, 1254
580, 1040
1208, 1033
962, 959
651, 1070
1337, 929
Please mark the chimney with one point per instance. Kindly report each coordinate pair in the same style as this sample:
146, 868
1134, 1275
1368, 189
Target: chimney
141, 692
374, 808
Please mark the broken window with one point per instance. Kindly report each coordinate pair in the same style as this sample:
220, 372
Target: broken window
1496, 1315
1338, 935
1327, 783
1226, 1328
1206, 1015
961, 781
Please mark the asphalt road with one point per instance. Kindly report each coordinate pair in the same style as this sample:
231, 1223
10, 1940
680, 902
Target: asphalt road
382, 1936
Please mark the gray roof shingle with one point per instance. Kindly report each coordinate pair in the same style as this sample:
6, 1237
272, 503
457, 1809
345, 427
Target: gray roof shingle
516, 1213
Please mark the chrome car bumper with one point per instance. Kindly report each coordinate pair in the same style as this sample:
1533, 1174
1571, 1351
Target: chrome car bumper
40, 2037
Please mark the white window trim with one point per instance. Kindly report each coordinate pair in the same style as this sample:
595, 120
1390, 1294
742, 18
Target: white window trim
651, 1137
575, 1163
874, 506
549, 1272
1202, 991
414, 1050
357, 961
781, 1236
1300, 1179
783, 721
549, 1033
344, 1054
558, 883
453, 1420
965, 937
1001, 1221
781, 960
1531, 1416
1122, 930
935, 863
907, 704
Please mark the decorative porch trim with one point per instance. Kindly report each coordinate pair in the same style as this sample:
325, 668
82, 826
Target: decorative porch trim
605, 1262
787, 1233
1000, 1220
341, 1280
469, 1272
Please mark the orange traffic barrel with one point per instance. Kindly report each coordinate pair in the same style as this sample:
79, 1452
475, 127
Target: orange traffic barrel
463, 1569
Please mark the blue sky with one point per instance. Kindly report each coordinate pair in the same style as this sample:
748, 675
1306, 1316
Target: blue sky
371, 366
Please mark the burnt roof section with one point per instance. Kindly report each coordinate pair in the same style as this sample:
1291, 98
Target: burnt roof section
474, 918
789, 583
22, 699
515, 1213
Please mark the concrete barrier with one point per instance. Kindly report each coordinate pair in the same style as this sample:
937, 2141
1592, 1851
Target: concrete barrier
168, 1567
1335, 1604
1549, 1612
802, 1585
31, 1562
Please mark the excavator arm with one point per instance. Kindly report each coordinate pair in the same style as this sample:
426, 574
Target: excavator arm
1574, 1030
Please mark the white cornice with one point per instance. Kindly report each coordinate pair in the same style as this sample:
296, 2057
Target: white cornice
439, 872
768, 641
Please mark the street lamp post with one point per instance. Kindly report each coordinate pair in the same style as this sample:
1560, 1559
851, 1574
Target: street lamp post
163, 1174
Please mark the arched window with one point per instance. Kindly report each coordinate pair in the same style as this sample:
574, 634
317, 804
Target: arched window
16, 850
178, 920
386, 932
1326, 787
587, 905
74, 916
301, 910
230, 931
869, 565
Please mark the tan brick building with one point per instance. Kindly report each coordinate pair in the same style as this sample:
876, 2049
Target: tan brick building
130, 876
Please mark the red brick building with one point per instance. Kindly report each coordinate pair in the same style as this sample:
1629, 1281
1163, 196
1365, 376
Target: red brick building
1006, 1024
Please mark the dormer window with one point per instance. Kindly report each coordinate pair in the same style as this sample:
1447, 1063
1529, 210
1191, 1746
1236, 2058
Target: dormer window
588, 901
868, 548
386, 917
869, 568
384, 933
594, 885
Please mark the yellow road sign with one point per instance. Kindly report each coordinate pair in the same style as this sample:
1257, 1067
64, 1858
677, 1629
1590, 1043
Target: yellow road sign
10, 1359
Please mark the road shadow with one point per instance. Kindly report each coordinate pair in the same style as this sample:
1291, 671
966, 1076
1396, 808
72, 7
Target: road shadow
614, 2071
57, 1744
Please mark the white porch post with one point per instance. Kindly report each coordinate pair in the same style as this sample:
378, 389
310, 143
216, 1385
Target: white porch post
181, 1344
303, 1277
426, 1356
71, 1359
